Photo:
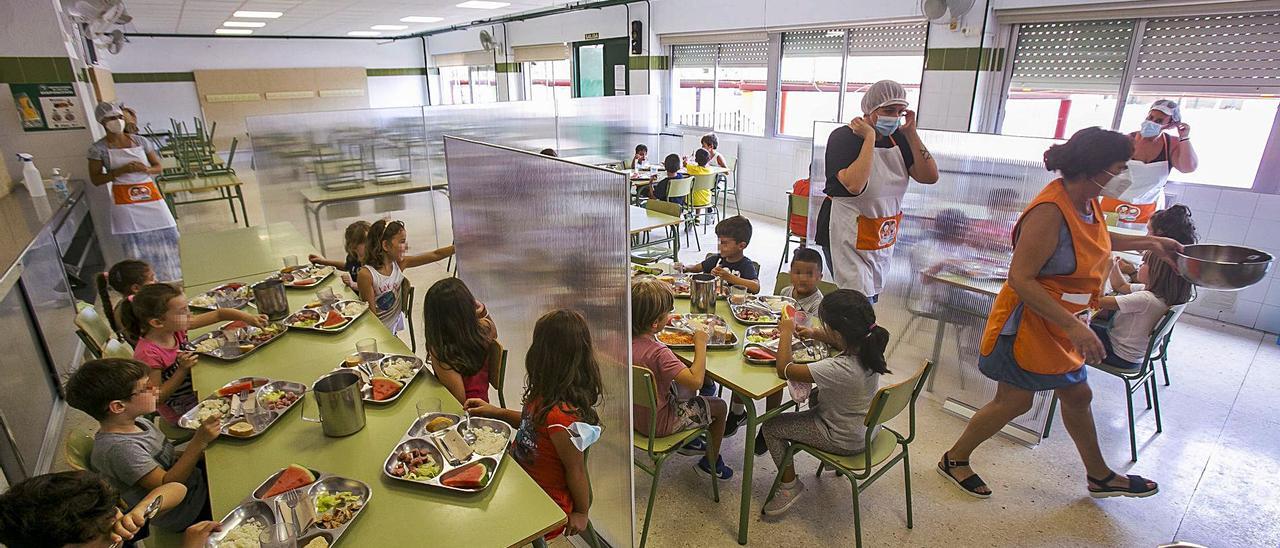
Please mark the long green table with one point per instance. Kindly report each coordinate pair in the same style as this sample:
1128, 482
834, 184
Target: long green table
512, 512
315, 199
209, 257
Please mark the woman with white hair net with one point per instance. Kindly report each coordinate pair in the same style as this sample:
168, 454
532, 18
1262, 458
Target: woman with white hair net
1155, 154
126, 165
869, 163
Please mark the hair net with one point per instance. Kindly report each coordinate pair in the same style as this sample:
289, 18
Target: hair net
105, 109
1168, 107
884, 93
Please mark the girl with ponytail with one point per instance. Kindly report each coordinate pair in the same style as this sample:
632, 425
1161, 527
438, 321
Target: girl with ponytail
834, 422
126, 277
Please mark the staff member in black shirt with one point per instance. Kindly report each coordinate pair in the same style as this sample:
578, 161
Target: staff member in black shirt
868, 165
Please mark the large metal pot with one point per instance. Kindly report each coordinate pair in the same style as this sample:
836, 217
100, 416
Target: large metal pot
1223, 267
703, 291
269, 298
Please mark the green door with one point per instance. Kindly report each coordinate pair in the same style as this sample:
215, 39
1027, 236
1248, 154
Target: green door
600, 68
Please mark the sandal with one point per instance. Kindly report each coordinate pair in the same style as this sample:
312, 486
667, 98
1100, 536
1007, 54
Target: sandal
1101, 489
969, 484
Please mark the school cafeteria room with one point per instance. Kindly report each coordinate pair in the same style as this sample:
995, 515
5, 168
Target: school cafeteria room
641, 273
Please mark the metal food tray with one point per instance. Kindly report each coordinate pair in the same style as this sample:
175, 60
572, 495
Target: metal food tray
240, 301
418, 438
260, 385
366, 371
221, 353
727, 345
308, 270
764, 300
316, 310
267, 512
823, 349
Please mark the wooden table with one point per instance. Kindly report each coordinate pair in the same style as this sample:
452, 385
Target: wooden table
209, 257
749, 383
643, 220
315, 199
512, 512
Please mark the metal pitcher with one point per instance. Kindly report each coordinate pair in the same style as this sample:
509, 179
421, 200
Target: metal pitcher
703, 289
269, 298
341, 404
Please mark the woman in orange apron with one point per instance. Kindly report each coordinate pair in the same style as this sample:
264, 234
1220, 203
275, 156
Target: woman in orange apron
1155, 154
126, 164
1037, 336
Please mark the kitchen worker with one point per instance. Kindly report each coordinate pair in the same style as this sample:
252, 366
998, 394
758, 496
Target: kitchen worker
1155, 153
869, 163
127, 164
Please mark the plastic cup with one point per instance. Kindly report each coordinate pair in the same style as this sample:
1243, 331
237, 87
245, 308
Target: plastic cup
326, 295
278, 536
368, 349
738, 294
427, 406
290, 261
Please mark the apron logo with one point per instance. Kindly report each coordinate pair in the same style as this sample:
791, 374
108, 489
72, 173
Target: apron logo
140, 193
888, 232
1128, 212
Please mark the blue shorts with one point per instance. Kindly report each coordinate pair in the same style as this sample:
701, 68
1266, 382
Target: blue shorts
1000, 366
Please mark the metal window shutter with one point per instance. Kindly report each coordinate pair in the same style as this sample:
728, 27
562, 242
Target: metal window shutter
748, 54
888, 39
1073, 56
813, 43
697, 55
546, 52
1222, 53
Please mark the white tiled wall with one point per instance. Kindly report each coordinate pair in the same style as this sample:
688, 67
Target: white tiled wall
946, 99
1238, 217
767, 168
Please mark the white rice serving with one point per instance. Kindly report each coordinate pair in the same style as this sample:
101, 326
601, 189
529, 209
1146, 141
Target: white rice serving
488, 441
243, 536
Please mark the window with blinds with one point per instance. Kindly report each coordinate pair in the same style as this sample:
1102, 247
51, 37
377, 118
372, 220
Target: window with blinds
1077, 56
720, 86
892, 39
694, 55
1214, 54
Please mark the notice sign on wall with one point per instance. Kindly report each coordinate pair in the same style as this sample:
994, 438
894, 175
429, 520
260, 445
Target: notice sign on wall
47, 107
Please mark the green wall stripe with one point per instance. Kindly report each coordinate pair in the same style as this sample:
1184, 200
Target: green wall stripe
970, 59
36, 70
152, 77
408, 71
649, 62
507, 68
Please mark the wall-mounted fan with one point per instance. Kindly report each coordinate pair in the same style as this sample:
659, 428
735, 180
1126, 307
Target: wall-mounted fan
101, 21
948, 11
487, 42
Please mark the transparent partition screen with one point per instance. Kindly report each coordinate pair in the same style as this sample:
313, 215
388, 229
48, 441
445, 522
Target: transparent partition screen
608, 127
952, 254
536, 234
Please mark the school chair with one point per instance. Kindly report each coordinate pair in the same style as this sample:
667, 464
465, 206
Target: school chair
498, 371
406, 306
784, 280
701, 212
729, 184
860, 469
797, 206
92, 328
681, 188
646, 250
1164, 344
644, 393
1144, 377
77, 448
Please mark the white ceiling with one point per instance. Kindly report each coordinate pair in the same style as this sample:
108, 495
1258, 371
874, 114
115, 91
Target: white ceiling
310, 17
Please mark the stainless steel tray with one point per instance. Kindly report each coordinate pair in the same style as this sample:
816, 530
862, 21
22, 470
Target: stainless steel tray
316, 273
227, 351
762, 302
261, 385
418, 438
319, 312
244, 297
378, 368
730, 342
820, 350
267, 512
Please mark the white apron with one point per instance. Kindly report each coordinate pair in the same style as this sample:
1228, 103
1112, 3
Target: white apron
1143, 191
865, 227
137, 205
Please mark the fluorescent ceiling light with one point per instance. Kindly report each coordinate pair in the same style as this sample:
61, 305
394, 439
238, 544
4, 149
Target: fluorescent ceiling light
232, 31
244, 24
420, 19
364, 33
389, 27
258, 14
483, 4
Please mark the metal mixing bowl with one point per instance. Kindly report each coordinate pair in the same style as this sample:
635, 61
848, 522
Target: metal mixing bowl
1223, 267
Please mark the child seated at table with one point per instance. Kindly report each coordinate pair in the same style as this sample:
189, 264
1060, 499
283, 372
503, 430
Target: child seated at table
1136, 309
128, 451
711, 143
355, 239
126, 278
460, 339
378, 282
806, 272
671, 166
557, 421
702, 197
158, 318
834, 421
641, 158
730, 264
680, 407
79, 508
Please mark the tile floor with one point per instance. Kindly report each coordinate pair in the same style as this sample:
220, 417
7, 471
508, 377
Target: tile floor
1216, 459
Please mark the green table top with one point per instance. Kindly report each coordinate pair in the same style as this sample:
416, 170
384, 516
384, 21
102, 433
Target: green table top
642, 219
511, 512
316, 195
209, 257
727, 366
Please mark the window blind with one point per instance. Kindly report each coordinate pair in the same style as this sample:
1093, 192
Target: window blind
696, 55
749, 54
468, 58
1072, 56
546, 52
813, 43
888, 39
1223, 53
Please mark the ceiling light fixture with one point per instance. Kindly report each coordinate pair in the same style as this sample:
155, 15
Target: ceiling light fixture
364, 33
232, 31
258, 14
389, 27
421, 19
244, 24
483, 4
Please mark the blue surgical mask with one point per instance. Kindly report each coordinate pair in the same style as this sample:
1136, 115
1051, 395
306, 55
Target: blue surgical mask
886, 125
1149, 129
583, 435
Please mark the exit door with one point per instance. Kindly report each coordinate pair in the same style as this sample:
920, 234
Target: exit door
600, 68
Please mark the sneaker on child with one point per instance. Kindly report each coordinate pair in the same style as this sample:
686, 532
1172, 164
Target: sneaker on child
786, 496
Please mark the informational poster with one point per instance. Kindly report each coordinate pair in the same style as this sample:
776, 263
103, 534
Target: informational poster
47, 107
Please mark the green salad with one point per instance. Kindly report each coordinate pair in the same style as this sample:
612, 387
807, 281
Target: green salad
758, 339
423, 472
329, 501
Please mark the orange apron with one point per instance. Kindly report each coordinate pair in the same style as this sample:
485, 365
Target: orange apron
1039, 345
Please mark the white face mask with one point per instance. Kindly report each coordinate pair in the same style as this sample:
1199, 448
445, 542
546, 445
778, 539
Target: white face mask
115, 126
1119, 183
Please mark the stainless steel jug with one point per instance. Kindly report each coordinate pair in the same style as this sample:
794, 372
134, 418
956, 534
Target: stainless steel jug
340, 402
269, 298
703, 289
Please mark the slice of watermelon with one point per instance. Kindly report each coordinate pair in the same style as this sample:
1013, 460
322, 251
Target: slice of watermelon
236, 325
236, 388
384, 388
292, 477
334, 319
788, 311
757, 353
470, 477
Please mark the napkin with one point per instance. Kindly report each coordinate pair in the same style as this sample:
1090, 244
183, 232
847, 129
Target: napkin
306, 512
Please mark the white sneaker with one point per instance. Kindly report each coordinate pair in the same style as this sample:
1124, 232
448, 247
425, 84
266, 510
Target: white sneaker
783, 499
